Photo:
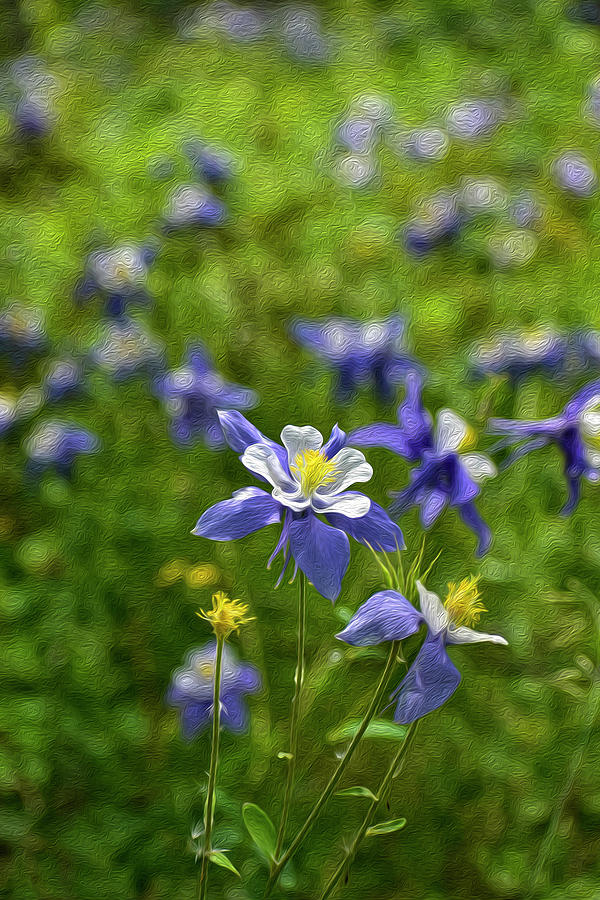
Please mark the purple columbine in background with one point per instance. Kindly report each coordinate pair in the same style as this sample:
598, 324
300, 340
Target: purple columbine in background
446, 475
192, 395
190, 206
22, 333
518, 355
209, 163
359, 351
575, 174
308, 479
64, 377
432, 678
119, 274
192, 686
57, 444
125, 348
576, 431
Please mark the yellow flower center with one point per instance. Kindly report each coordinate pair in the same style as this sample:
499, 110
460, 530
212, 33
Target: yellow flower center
313, 469
469, 440
226, 615
206, 669
463, 602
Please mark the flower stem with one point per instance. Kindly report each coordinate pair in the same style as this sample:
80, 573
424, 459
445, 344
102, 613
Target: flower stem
212, 775
335, 778
391, 773
295, 714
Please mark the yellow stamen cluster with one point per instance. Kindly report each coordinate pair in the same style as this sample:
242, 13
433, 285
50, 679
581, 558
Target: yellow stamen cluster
313, 469
463, 602
226, 615
469, 440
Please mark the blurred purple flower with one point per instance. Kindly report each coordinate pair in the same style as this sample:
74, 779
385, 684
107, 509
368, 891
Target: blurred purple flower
525, 211
126, 348
118, 274
192, 687
309, 479
446, 475
439, 221
22, 333
432, 678
427, 144
209, 163
472, 119
8, 413
518, 355
55, 444
360, 352
302, 35
575, 174
63, 378
190, 206
576, 431
194, 393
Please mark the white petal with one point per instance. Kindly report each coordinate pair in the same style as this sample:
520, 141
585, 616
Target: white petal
433, 609
479, 466
262, 460
462, 635
350, 467
590, 422
451, 430
297, 440
294, 499
349, 504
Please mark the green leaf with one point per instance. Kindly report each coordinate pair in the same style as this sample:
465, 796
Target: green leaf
379, 729
386, 827
357, 791
218, 857
260, 828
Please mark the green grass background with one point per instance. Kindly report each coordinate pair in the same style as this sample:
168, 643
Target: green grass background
99, 791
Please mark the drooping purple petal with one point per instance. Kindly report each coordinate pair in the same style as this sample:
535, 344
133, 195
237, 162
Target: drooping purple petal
392, 437
239, 432
322, 552
574, 488
386, 616
463, 489
430, 682
432, 506
374, 529
472, 519
337, 440
525, 429
248, 510
234, 712
523, 450
195, 717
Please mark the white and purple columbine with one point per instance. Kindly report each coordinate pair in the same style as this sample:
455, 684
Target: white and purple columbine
432, 678
520, 354
125, 348
22, 333
193, 206
309, 479
575, 174
192, 689
55, 444
448, 474
576, 431
119, 274
192, 395
371, 352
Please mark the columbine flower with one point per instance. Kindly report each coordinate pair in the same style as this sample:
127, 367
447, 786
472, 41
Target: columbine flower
426, 144
126, 348
359, 351
193, 394
192, 688
226, 615
439, 221
575, 175
576, 431
446, 475
63, 377
119, 274
209, 163
517, 355
432, 678
472, 119
308, 479
190, 206
57, 444
22, 332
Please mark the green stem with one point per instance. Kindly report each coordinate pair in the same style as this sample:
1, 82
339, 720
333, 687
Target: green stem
295, 714
335, 778
212, 775
391, 773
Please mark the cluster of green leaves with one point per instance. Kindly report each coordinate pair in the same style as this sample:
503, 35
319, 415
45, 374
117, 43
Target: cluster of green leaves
100, 794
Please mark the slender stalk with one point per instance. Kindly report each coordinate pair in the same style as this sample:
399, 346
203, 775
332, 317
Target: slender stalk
212, 775
295, 714
335, 778
391, 773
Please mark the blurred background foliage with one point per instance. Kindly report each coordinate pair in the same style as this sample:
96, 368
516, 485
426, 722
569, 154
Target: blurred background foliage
100, 576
